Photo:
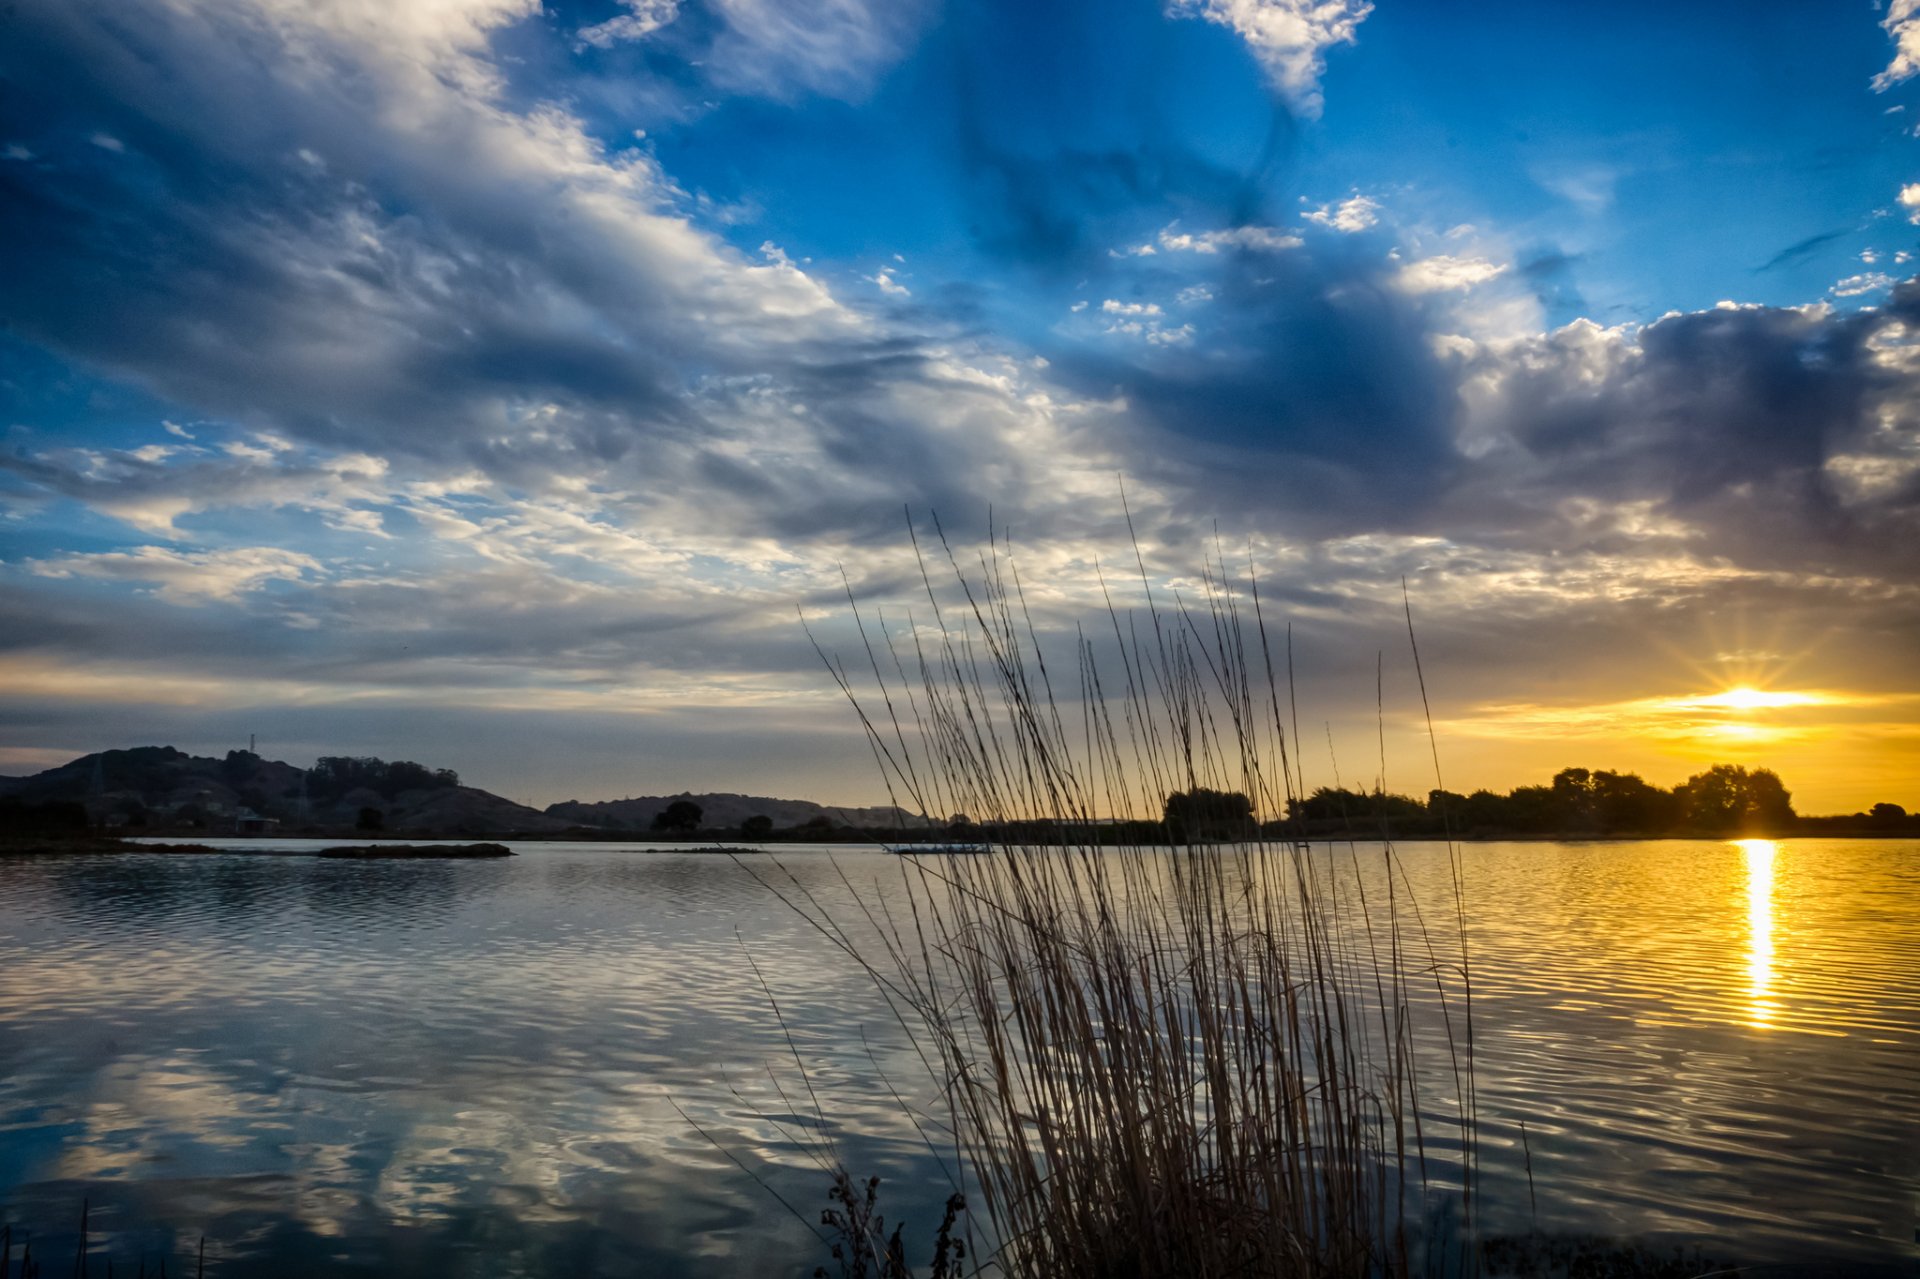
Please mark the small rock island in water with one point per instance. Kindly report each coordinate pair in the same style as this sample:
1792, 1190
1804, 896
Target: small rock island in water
418, 850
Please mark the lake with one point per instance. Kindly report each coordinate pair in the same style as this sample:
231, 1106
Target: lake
564, 1063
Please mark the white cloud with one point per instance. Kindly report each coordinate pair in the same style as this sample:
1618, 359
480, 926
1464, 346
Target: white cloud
888, 285
1903, 24
1588, 187
1262, 238
642, 19
1445, 272
1194, 295
1869, 256
1114, 307
1290, 37
174, 428
185, 577
833, 47
107, 142
1910, 198
1867, 282
1356, 214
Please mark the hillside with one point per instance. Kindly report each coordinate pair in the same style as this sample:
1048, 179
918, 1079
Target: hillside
159, 787
723, 810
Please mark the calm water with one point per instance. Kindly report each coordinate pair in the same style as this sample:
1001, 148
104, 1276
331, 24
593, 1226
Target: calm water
549, 1065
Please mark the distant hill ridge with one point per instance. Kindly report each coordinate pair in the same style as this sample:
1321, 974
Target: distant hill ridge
166, 787
724, 810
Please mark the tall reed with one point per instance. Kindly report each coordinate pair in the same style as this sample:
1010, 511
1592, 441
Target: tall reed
1204, 1058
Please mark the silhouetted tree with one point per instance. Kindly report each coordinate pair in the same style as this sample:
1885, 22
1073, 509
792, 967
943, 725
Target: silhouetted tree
1727, 797
759, 826
334, 775
370, 819
681, 814
1203, 813
1887, 815
237, 767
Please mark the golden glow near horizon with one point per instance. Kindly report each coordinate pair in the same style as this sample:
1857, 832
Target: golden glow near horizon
1759, 855
1755, 699
1838, 749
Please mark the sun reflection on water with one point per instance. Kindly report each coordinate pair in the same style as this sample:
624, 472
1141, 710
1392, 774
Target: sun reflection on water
1759, 854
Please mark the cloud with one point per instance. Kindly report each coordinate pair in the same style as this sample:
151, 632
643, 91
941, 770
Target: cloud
1903, 24
184, 577
1866, 282
642, 19
1350, 215
1289, 37
1445, 272
542, 430
1910, 197
462, 285
780, 48
1262, 239
1743, 422
1800, 249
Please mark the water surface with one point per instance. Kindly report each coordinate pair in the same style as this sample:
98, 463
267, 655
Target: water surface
559, 1063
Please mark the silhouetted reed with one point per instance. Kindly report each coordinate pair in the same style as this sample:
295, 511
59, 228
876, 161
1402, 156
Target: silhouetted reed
27, 1266
1199, 1059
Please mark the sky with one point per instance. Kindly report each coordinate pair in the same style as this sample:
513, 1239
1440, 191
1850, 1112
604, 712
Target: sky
497, 383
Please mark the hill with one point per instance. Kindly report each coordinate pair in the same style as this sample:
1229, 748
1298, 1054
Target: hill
160, 787
721, 810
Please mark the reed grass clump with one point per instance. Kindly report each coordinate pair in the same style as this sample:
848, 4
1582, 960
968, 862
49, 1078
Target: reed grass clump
1244, 1057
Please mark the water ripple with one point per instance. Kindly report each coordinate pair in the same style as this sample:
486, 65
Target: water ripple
553, 1061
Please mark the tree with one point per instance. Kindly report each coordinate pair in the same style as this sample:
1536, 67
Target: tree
818, 827
1727, 797
681, 814
1769, 805
1887, 815
334, 775
1624, 802
371, 819
1201, 812
759, 826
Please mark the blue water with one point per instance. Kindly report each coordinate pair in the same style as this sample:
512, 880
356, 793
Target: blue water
565, 1063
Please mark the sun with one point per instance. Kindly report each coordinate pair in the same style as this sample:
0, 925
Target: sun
1755, 699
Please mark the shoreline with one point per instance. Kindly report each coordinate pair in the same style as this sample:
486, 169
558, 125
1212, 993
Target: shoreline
466, 847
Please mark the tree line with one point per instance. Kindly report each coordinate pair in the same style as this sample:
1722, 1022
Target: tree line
1724, 799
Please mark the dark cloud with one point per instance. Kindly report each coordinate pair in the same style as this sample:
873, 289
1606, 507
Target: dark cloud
1800, 250
1784, 435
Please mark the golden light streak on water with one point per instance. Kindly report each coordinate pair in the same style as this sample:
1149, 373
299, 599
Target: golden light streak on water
1759, 854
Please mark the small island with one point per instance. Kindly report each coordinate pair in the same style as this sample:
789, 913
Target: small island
406, 851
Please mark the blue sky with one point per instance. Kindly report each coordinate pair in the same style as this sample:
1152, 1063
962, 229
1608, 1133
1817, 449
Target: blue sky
426, 378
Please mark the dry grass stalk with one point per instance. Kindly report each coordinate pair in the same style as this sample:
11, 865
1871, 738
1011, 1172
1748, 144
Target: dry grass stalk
1192, 1060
